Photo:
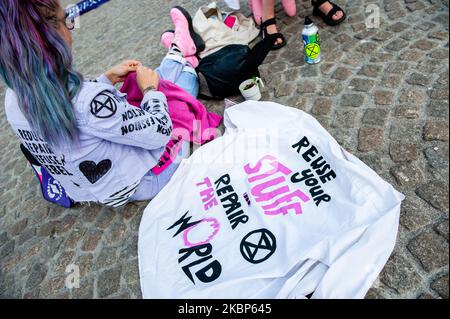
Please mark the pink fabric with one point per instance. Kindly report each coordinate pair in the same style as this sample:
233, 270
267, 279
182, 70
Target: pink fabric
185, 111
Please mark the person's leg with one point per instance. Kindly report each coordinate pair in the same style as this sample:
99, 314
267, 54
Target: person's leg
175, 69
269, 13
151, 184
289, 7
171, 66
327, 6
256, 8
188, 80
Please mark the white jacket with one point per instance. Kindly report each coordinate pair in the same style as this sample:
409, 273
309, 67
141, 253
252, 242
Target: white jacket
118, 143
275, 208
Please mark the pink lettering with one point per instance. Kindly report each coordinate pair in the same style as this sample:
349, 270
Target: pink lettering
274, 194
207, 195
201, 233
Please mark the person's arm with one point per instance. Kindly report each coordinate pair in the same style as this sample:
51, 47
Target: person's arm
114, 119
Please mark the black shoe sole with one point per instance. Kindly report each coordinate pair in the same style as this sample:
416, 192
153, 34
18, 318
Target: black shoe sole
198, 41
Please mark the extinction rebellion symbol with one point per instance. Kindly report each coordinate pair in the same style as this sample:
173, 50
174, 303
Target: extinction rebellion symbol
104, 105
258, 246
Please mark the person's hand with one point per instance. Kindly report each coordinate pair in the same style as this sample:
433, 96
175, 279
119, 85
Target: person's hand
146, 78
118, 73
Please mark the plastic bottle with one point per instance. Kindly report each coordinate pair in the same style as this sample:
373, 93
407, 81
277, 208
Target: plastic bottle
311, 41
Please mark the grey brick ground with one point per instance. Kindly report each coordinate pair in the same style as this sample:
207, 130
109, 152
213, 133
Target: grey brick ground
382, 93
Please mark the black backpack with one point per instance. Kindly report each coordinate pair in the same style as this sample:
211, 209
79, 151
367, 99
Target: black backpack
227, 68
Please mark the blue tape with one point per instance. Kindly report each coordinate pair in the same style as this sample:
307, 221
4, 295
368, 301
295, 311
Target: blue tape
83, 6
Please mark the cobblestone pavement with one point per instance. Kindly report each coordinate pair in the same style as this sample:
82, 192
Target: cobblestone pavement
382, 93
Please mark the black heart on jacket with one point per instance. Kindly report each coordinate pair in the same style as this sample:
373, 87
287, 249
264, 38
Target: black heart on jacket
94, 172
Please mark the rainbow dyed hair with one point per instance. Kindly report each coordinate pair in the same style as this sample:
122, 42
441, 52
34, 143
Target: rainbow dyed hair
36, 64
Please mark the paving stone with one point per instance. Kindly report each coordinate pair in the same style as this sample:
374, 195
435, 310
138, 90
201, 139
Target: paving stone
7, 249
439, 93
109, 282
425, 296
437, 157
398, 27
331, 89
407, 175
73, 239
85, 263
430, 249
414, 6
413, 215
370, 70
367, 47
428, 66
375, 117
436, 131
344, 118
26, 235
418, 79
405, 131
305, 87
440, 285
18, 227
435, 193
86, 290
90, 214
384, 97
397, 68
370, 139
442, 229
63, 261
355, 100
400, 275
439, 35
322, 106
65, 224
37, 275
411, 96
342, 74
381, 57
3, 238
50, 288
374, 294
439, 54
361, 85
407, 111
91, 240
396, 45
105, 218
130, 271
411, 55
383, 36
106, 258
285, 90
424, 45
391, 81
403, 152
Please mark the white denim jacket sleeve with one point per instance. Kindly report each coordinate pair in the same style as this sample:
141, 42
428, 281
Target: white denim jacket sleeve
112, 118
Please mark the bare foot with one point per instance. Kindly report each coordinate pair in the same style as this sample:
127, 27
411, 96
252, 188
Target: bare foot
326, 7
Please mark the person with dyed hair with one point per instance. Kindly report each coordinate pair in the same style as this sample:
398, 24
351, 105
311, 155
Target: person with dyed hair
89, 138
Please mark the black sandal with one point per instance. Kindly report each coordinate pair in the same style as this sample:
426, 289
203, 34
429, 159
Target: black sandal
264, 33
328, 18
